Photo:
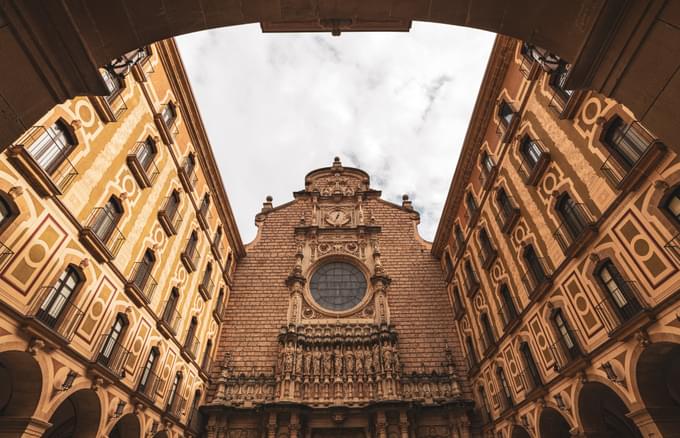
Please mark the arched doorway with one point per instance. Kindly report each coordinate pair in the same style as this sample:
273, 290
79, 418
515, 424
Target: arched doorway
551, 424
126, 427
76, 417
603, 413
658, 381
20, 387
519, 432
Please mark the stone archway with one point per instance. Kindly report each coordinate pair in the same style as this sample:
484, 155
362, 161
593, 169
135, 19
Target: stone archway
76, 417
551, 424
20, 388
56, 48
519, 432
658, 382
126, 427
604, 414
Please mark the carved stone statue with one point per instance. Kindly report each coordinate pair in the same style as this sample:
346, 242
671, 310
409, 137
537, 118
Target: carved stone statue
349, 362
308, 362
387, 357
360, 361
338, 362
327, 362
298, 360
317, 362
376, 358
288, 358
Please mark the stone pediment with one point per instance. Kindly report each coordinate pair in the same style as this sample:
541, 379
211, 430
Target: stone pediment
337, 180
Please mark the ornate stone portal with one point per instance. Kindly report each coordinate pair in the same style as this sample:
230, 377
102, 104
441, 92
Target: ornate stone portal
338, 366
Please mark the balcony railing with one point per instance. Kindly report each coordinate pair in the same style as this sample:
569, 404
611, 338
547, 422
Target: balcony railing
488, 177
615, 314
142, 281
471, 215
190, 257
217, 248
102, 235
566, 349
560, 95
508, 314
145, 173
504, 128
643, 151
191, 345
531, 381
489, 254
575, 231
504, 402
508, 216
537, 280
471, 286
187, 176
6, 255
219, 308
116, 103
112, 356
175, 407
206, 288
169, 216
531, 169
42, 160
171, 319
672, 247
149, 388
56, 312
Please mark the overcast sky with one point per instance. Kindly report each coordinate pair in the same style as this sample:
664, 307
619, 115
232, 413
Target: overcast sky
279, 105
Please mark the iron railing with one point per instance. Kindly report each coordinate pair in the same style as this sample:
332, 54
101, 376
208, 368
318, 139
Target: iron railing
171, 124
103, 225
150, 168
636, 140
534, 279
471, 285
487, 176
112, 355
143, 280
504, 402
530, 167
560, 95
116, 103
171, 317
672, 247
191, 345
573, 230
565, 349
207, 287
622, 305
175, 407
5, 255
189, 172
191, 253
508, 213
195, 422
508, 313
56, 311
47, 152
171, 212
530, 379
149, 388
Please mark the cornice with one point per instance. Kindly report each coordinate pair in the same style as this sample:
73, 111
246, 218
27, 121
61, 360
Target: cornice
181, 88
482, 114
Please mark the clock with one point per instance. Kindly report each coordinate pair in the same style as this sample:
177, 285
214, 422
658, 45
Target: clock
337, 218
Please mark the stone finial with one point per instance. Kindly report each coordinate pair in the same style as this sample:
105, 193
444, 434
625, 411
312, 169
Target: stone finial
406, 202
267, 204
336, 163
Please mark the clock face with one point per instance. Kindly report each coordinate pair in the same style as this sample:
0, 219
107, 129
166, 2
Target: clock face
337, 218
338, 286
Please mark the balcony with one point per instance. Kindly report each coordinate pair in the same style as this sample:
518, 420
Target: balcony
45, 181
204, 218
504, 402
488, 177
509, 316
537, 281
169, 217
175, 408
619, 319
53, 317
567, 353
458, 311
489, 345
645, 152
531, 382
471, 215
166, 128
672, 247
218, 311
169, 322
217, 249
505, 130
507, 217
141, 285
473, 365
109, 361
189, 258
144, 174
530, 169
573, 234
100, 236
206, 288
188, 177
149, 389
563, 102
109, 108
190, 348
6, 255
471, 286
489, 255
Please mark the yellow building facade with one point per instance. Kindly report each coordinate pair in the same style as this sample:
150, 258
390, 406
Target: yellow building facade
118, 245
559, 239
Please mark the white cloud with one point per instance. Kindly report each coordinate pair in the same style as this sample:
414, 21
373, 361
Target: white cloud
279, 105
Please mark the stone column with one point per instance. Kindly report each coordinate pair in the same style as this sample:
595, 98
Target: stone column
403, 424
381, 424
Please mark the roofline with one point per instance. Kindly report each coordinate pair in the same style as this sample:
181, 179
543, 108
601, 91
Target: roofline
181, 87
492, 83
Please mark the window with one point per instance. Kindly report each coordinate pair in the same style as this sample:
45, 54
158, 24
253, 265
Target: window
190, 165
617, 290
144, 269
191, 244
471, 204
504, 202
530, 151
191, 333
484, 400
510, 310
148, 368
487, 163
194, 407
216, 240
169, 114
205, 204
207, 276
531, 369
107, 219
625, 142
566, 336
112, 340
571, 215
171, 306
172, 205
52, 147
146, 152
8, 211
472, 353
457, 299
206, 354
448, 263
489, 337
470, 278
114, 83
504, 388
558, 78
672, 205
173, 389
534, 265
460, 239
338, 286
505, 113
220, 300
59, 296
485, 242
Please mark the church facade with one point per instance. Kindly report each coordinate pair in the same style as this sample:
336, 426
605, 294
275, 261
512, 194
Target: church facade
338, 323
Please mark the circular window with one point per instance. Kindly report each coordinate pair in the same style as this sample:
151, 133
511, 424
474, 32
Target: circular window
338, 286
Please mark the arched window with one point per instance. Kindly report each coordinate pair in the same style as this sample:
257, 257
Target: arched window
460, 239
190, 250
505, 393
206, 286
458, 301
489, 337
471, 204
219, 302
193, 412
471, 352
114, 83
505, 113
509, 311
176, 382
566, 336
146, 152
110, 351
205, 362
190, 164
471, 281
487, 163
148, 378
217, 239
537, 274
191, 334
531, 375
531, 152
504, 204
172, 204
57, 301
8, 211
53, 146
144, 268
617, 291
484, 403
672, 205
169, 114
572, 216
624, 141
205, 204
170, 314
107, 219
485, 242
